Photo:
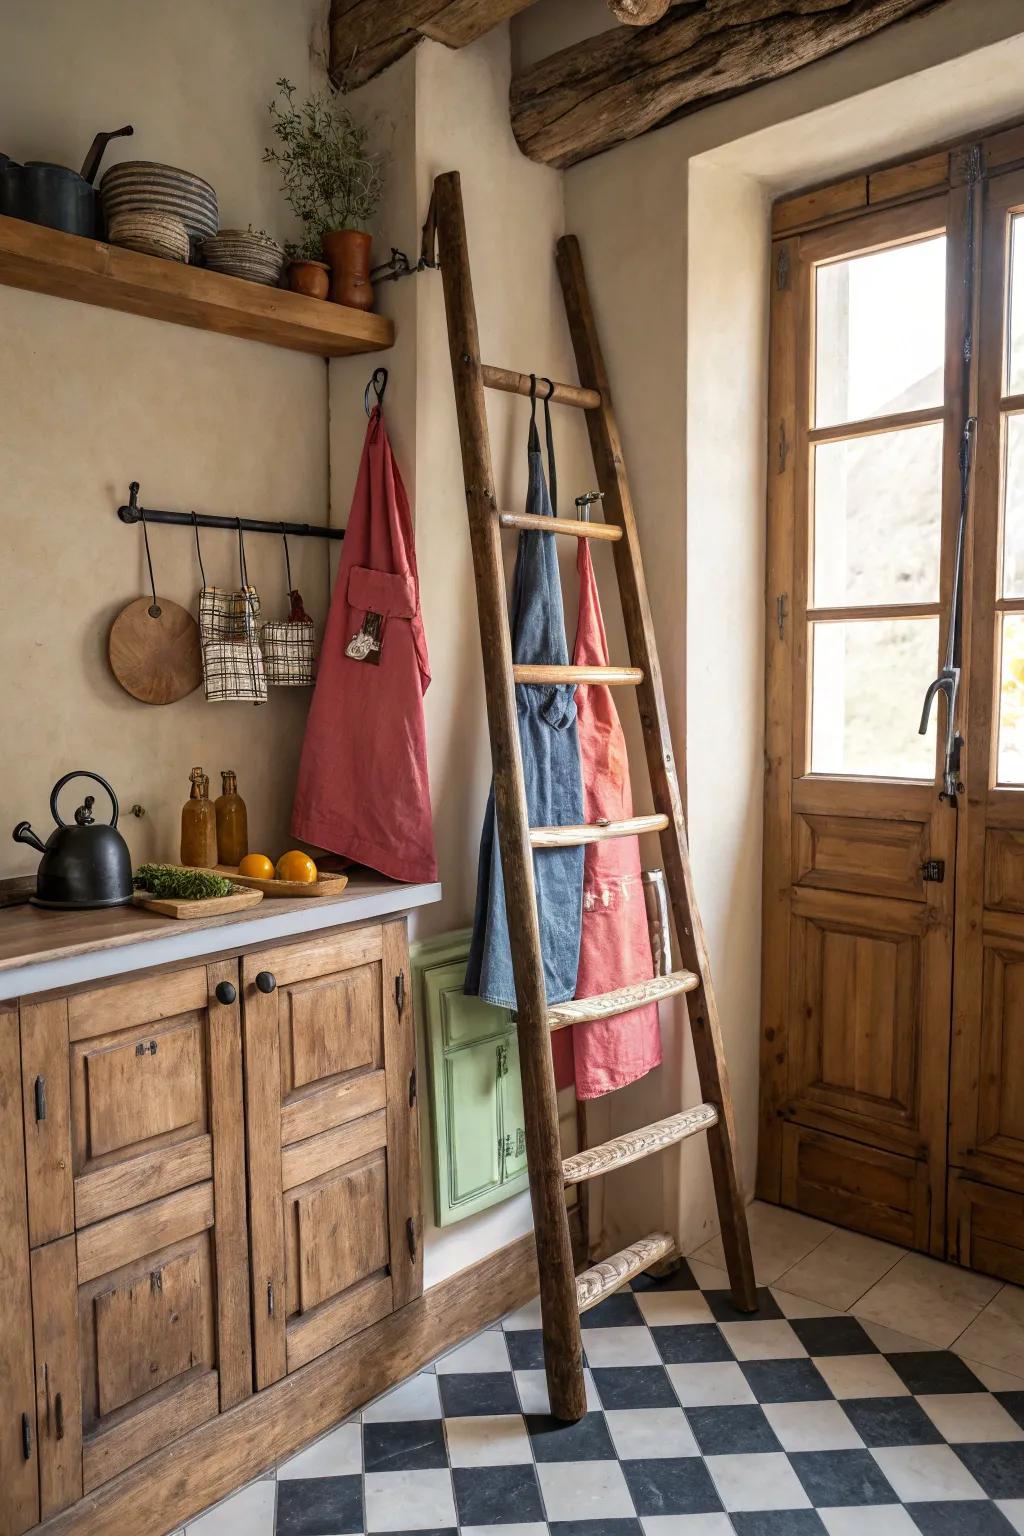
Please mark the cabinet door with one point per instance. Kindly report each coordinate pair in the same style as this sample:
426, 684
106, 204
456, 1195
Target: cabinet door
142, 1315
19, 1472
333, 1141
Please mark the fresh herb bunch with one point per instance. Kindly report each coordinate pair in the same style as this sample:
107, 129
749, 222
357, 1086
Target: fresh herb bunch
328, 176
186, 884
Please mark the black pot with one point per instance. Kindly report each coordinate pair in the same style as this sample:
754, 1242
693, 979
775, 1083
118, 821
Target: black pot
84, 865
55, 195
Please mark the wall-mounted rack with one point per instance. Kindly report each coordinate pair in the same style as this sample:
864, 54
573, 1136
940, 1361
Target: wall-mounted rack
134, 513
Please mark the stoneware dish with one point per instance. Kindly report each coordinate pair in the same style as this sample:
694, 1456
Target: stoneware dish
141, 186
154, 234
243, 253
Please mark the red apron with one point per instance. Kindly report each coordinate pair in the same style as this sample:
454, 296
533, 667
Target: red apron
363, 790
615, 945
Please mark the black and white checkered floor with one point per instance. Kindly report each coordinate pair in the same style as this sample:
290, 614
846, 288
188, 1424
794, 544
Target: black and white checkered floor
703, 1422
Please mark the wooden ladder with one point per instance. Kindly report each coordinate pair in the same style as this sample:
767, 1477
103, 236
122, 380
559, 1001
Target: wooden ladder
564, 1294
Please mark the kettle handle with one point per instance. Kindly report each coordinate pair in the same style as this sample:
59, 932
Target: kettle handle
81, 773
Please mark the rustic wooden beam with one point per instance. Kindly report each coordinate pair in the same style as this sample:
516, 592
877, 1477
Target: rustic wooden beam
366, 36
626, 81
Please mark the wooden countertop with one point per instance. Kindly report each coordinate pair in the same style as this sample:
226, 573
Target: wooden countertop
41, 950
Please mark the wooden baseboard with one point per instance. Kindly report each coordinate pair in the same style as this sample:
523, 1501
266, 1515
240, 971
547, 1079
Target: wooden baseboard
174, 1485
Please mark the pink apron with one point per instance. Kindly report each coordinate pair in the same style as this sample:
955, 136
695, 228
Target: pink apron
362, 790
615, 946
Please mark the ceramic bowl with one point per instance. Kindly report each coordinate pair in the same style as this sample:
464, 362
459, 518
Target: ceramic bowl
241, 253
154, 234
141, 186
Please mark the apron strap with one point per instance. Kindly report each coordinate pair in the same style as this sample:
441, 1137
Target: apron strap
199, 553
534, 442
287, 561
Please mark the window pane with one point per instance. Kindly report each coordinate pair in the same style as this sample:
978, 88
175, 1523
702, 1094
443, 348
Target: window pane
877, 517
1015, 346
869, 684
1013, 509
880, 332
1010, 762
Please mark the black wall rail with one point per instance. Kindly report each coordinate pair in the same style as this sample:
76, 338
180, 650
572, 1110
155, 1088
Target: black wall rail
134, 513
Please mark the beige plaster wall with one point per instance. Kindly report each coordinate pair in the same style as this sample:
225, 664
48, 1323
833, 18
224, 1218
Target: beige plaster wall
90, 399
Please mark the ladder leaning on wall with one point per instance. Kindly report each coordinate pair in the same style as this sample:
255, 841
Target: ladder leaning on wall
563, 1294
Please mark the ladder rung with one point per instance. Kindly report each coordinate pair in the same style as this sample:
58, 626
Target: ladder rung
633, 1145
519, 384
594, 832
593, 1285
611, 677
608, 1005
574, 526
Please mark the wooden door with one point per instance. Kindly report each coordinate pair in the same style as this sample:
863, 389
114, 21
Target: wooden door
333, 1141
987, 1109
865, 419
133, 1120
19, 1468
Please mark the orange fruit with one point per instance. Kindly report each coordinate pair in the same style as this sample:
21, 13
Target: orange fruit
295, 865
258, 866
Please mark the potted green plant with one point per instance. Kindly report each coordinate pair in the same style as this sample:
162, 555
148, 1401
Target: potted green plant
333, 185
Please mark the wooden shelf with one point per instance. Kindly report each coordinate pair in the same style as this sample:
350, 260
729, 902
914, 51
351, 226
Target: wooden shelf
48, 261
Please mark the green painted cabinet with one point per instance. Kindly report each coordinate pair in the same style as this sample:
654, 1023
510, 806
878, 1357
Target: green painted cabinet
476, 1095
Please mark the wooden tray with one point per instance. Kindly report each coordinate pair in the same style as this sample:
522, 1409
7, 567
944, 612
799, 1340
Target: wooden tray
326, 885
204, 906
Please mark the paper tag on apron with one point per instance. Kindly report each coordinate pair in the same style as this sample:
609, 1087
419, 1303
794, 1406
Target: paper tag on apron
365, 643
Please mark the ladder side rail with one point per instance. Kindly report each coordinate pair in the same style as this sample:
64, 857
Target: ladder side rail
563, 1349
705, 1027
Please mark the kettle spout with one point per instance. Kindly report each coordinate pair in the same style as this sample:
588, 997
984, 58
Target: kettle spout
23, 834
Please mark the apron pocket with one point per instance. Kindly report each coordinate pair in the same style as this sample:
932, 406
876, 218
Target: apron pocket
392, 596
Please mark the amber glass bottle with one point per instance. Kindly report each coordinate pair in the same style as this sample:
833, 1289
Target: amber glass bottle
232, 821
199, 825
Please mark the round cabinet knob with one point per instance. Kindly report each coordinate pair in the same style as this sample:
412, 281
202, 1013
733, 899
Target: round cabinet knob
266, 981
225, 992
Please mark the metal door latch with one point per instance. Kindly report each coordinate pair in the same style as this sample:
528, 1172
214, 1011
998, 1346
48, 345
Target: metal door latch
934, 869
400, 991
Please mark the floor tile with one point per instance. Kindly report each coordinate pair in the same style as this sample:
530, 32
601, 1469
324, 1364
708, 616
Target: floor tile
673, 1307
339, 1454
926, 1298
483, 1440
251, 1510
619, 1346
525, 1317
696, 1385
801, 1306
778, 1240
618, 1311
921, 1473
996, 1337
621, 1527
840, 1269
886, 1520
757, 1482
681, 1279
861, 1376
725, 1310
687, 1525
778, 1522
966, 1418
691, 1343
935, 1371
959, 1519
729, 1431
487, 1392
710, 1277
891, 1421
638, 1386
554, 1440
833, 1479
401, 1501
417, 1398
1013, 1511
408, 1446
785, 1381
532, 1387
812, 1427
497, 1495
576, 1490
889, 1341
487, 1352
318, 1506
526, 1349
998, 1468
536, 1528
993, 1378
644, 1434
671, 1486
762, 1341
832, 1336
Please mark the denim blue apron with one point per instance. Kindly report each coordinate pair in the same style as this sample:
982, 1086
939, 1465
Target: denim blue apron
551, 767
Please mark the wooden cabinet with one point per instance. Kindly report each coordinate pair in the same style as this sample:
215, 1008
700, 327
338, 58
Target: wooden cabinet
333, 1141
133, 1190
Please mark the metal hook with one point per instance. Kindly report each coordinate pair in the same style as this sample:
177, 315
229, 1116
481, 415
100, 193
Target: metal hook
584, 503
378, 383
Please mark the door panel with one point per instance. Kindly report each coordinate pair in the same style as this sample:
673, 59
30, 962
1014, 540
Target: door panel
19, 1467
58, 1375
986, 1228
856, 1185
865, 855
340, 1231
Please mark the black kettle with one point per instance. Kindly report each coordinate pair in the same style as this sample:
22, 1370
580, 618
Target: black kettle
84, 865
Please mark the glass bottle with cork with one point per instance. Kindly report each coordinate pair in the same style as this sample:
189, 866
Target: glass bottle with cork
232, 821
199, 825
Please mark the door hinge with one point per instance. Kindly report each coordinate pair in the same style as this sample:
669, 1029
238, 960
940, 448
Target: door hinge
783, 448
412, 1088
270, 1298
400, 992
504, 1147
502, 1060
411, 1238
40, 1098
781, 613
934, 869
782, 269
26, 1437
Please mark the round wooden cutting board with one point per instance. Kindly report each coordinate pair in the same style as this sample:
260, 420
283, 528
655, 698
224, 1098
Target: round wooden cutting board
156, 660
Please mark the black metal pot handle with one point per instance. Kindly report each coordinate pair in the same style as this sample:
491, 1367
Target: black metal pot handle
81, 773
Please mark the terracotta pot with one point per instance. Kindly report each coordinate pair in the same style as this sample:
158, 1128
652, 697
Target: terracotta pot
348, 251
313, 278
